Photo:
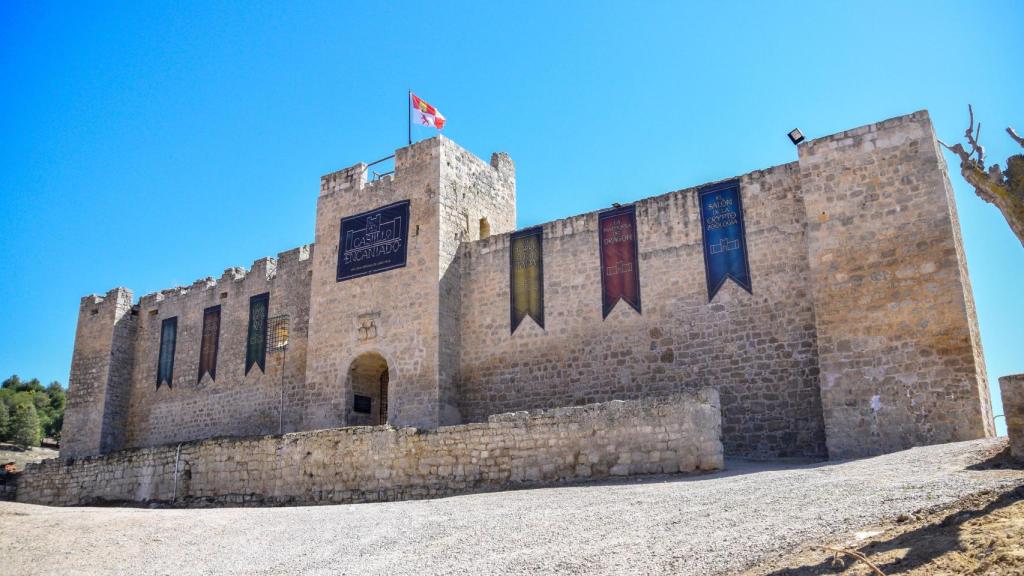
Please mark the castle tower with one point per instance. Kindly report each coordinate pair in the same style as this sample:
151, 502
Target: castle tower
385, 298
101, 375
899, 350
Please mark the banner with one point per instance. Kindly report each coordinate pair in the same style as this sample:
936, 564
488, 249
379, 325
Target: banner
373, 241
256, 340
526, 274
725, 240
165, 362
208, 343
620, 271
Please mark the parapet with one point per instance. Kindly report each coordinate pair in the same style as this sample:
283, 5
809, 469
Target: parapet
356, 177
884, 134
266, 268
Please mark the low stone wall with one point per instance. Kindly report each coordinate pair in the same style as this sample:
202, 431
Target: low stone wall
680, 433
8, 486
1012, 390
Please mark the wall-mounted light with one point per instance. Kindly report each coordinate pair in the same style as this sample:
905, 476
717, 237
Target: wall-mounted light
796, 136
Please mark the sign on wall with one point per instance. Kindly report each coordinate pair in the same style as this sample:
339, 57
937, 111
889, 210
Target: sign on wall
373, 241
620, 271
256, 338
165, 361
725, 240
526, 267
208, 343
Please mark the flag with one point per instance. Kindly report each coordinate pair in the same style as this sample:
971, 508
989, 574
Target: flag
424, 114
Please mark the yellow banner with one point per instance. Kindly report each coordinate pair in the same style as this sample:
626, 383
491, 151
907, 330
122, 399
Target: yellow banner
526, 263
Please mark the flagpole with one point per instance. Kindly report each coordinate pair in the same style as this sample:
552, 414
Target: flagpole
408, 115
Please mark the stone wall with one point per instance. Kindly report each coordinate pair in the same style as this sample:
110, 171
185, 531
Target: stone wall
1012, 389
473, 195
898, 345
410, 308
757, 349
235, 403
101, 369
364, 464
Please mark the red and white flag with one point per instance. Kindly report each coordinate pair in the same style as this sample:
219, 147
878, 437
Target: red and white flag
424, 114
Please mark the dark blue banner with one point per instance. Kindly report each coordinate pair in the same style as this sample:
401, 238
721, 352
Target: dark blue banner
725, 240
373, 241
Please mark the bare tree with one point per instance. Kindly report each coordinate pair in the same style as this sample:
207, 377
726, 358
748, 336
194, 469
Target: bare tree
1003, 188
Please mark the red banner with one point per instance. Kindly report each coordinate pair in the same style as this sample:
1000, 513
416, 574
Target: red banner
208, 343
620, 271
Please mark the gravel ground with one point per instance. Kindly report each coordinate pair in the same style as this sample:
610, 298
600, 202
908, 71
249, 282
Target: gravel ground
711, 524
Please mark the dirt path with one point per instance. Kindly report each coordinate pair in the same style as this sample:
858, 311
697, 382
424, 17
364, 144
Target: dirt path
982, 534
714, 524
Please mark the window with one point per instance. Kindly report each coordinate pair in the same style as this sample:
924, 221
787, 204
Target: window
165, 362
485, 228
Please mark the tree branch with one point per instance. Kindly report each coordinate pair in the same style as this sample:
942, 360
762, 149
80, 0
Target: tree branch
1013, 134
1002, 188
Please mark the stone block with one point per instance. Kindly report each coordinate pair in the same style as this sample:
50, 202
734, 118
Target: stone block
1012, 390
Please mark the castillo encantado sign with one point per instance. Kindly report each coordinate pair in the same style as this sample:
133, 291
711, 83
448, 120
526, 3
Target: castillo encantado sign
373, 241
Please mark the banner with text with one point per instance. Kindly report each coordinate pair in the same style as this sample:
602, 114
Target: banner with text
256, 337
620, 271
526, 266
373, 241
208, 343
725, 241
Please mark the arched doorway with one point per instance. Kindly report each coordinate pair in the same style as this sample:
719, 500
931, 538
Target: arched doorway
368, 385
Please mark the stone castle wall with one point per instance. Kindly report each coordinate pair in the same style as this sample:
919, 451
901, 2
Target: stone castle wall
860, 335
757, 349
364, 464
234, 403
899, 350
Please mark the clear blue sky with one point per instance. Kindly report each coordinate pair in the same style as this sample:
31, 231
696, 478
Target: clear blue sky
149, 145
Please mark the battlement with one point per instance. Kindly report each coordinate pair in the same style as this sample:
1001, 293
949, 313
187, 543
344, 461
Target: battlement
265, 268
409, 159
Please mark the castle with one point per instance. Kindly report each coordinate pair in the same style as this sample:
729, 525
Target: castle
827, 300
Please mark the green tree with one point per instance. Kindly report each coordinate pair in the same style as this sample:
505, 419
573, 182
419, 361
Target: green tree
48, 401
58, 397
5, 418
25, 426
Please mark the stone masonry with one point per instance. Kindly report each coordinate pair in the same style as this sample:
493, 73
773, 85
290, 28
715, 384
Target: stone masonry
367, 464
1012, 389
860, 336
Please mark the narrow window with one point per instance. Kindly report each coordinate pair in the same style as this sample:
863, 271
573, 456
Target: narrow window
485, 228
256, 342
208, 343
165, 362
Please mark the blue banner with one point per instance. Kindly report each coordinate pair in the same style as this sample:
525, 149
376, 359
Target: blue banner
725, 240
373, 241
